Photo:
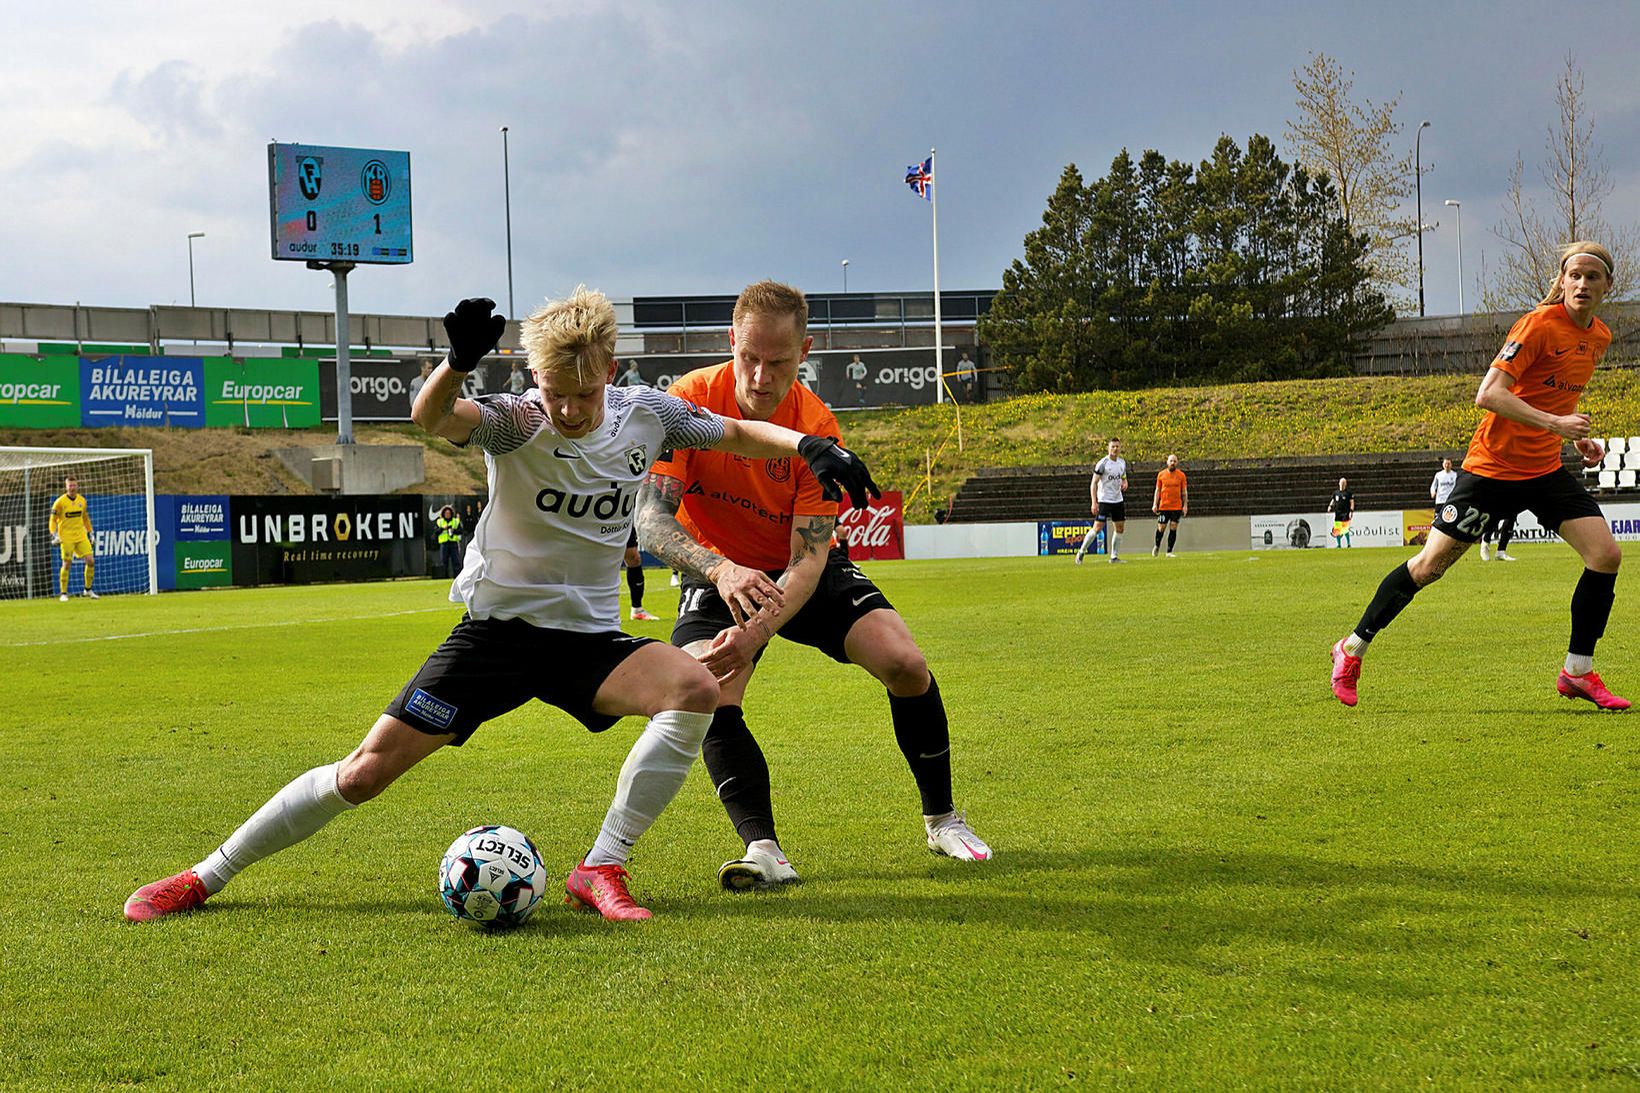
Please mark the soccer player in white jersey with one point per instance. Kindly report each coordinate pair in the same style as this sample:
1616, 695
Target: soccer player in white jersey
1108, 490
541, 587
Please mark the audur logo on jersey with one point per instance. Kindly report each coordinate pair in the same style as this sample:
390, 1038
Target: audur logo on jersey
600, 506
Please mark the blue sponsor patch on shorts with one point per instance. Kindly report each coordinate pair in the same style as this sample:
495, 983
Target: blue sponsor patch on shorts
430, 709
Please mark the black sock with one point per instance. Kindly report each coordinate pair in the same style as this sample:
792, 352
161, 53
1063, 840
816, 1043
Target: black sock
1393, 594
924, 737
634, 584
1158, 536
1591, 607
1506, 532
740, 773
1172, 537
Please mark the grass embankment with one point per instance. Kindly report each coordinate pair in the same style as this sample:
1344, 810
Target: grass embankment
1303, 417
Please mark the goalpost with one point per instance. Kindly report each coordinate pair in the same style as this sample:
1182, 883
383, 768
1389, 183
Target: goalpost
118, 485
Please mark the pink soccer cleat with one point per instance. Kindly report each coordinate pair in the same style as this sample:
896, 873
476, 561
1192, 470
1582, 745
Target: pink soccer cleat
1589, 687
183, 892
1346, 674
602, 888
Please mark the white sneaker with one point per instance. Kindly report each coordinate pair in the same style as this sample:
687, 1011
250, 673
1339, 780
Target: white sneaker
640, 615
760, 868
1486, 552
950, 835
90, 595
1502, 557
63, 598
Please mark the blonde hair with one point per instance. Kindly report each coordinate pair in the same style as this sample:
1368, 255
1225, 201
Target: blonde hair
1570, 251
773, 299
574, 336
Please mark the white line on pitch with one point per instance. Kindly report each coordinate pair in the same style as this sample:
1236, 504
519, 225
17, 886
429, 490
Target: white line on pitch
213, 629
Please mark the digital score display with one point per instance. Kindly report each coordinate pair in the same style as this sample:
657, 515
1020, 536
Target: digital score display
339, 204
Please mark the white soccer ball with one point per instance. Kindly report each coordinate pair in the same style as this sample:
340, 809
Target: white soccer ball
492, 875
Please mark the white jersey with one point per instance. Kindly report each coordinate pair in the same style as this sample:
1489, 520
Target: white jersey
1442, 485
1109, 472
548, 546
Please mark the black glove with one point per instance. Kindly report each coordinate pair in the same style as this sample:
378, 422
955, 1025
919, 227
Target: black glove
837, 469
473, 332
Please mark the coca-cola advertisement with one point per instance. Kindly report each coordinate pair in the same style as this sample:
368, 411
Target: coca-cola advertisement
876, 531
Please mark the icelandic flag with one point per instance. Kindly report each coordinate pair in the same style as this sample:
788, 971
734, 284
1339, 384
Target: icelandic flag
920, 177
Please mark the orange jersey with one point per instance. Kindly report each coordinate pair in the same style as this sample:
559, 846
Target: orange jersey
1550, 359
1170, 490
743, 508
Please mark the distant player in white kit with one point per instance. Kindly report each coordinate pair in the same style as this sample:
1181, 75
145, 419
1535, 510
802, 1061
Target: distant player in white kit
541, 587
1440, 487
1107, 490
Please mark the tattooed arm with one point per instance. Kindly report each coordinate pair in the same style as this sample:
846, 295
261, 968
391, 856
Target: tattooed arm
439, 408
731, 652
746, 591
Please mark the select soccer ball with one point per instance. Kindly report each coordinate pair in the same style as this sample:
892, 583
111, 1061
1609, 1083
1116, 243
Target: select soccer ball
492, 875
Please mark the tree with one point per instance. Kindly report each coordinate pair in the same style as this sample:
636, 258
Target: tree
1577, 184
1351, 144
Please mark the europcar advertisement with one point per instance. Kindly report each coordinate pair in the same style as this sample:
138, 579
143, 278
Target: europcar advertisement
261, 394
39, 392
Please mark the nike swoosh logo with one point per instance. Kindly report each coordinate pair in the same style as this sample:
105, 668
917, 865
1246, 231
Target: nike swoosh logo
936, 755
866, 597
1563, 352
561, 454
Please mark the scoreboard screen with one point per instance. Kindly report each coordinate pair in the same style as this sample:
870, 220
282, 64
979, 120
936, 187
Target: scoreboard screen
339, 204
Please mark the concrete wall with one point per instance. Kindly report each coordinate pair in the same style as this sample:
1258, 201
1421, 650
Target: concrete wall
365, 468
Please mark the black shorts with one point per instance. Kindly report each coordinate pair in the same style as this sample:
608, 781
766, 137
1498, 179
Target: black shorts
843, 596
632, 537
1111, 510
1477, 502
487, 667
1169, 516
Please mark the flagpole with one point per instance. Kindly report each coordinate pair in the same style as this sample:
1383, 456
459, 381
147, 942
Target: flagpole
939, 341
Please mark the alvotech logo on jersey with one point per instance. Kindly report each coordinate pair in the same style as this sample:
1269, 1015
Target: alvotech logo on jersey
142, 391
302, 540
876, 531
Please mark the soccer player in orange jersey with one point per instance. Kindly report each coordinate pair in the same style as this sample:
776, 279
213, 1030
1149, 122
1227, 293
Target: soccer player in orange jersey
1530, 396
1171, 503
753, 538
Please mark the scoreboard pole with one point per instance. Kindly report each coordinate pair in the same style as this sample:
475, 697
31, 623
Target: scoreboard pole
344, 340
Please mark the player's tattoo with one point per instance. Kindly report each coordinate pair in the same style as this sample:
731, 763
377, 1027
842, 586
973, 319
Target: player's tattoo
662, 535
816, 539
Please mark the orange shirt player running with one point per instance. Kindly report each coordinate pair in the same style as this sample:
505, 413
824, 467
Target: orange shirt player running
746, 514
1551, 359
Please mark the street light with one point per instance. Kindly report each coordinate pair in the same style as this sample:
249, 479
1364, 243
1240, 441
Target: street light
1418, 183
845, 277
1459, 214
506, 189
191, 237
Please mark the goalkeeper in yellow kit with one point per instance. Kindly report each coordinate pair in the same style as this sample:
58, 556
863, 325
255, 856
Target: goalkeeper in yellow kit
71, 530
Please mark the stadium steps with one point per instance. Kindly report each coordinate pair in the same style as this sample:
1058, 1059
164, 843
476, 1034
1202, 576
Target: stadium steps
1226, 487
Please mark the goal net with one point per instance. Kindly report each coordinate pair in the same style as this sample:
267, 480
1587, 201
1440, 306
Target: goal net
118, 487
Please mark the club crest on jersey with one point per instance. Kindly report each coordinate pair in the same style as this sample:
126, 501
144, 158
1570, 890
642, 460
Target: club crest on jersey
637, 460
1507, 353
778, 469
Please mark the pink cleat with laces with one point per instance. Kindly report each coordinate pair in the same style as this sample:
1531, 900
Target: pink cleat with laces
1589, 687
182, 892
602, 888
1346, 674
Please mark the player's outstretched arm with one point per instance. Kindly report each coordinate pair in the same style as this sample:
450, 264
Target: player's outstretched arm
837, 469
473, 331
746, 591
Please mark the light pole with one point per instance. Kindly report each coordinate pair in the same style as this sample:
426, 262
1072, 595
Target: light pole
1418, 184
845, 277
506, 190
191, 237
1459, 214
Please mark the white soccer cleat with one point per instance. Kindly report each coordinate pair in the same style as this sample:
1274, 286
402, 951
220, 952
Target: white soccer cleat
951, 836
63, 598
1486, 552
1170, 554
90, 595
760, 868
1079, 557
1157, 549
1504, 557
1117, 559
640, 615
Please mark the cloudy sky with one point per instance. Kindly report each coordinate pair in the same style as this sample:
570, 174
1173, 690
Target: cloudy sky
664, 148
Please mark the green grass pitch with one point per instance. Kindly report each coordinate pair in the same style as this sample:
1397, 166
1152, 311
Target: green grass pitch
1208, 873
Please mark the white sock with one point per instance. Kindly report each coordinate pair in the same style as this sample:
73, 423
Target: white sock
1355, 645
651, 776
304, 806
1115, 543
1086, 539
1579, 665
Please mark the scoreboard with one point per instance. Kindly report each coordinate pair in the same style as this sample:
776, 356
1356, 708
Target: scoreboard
339, 204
